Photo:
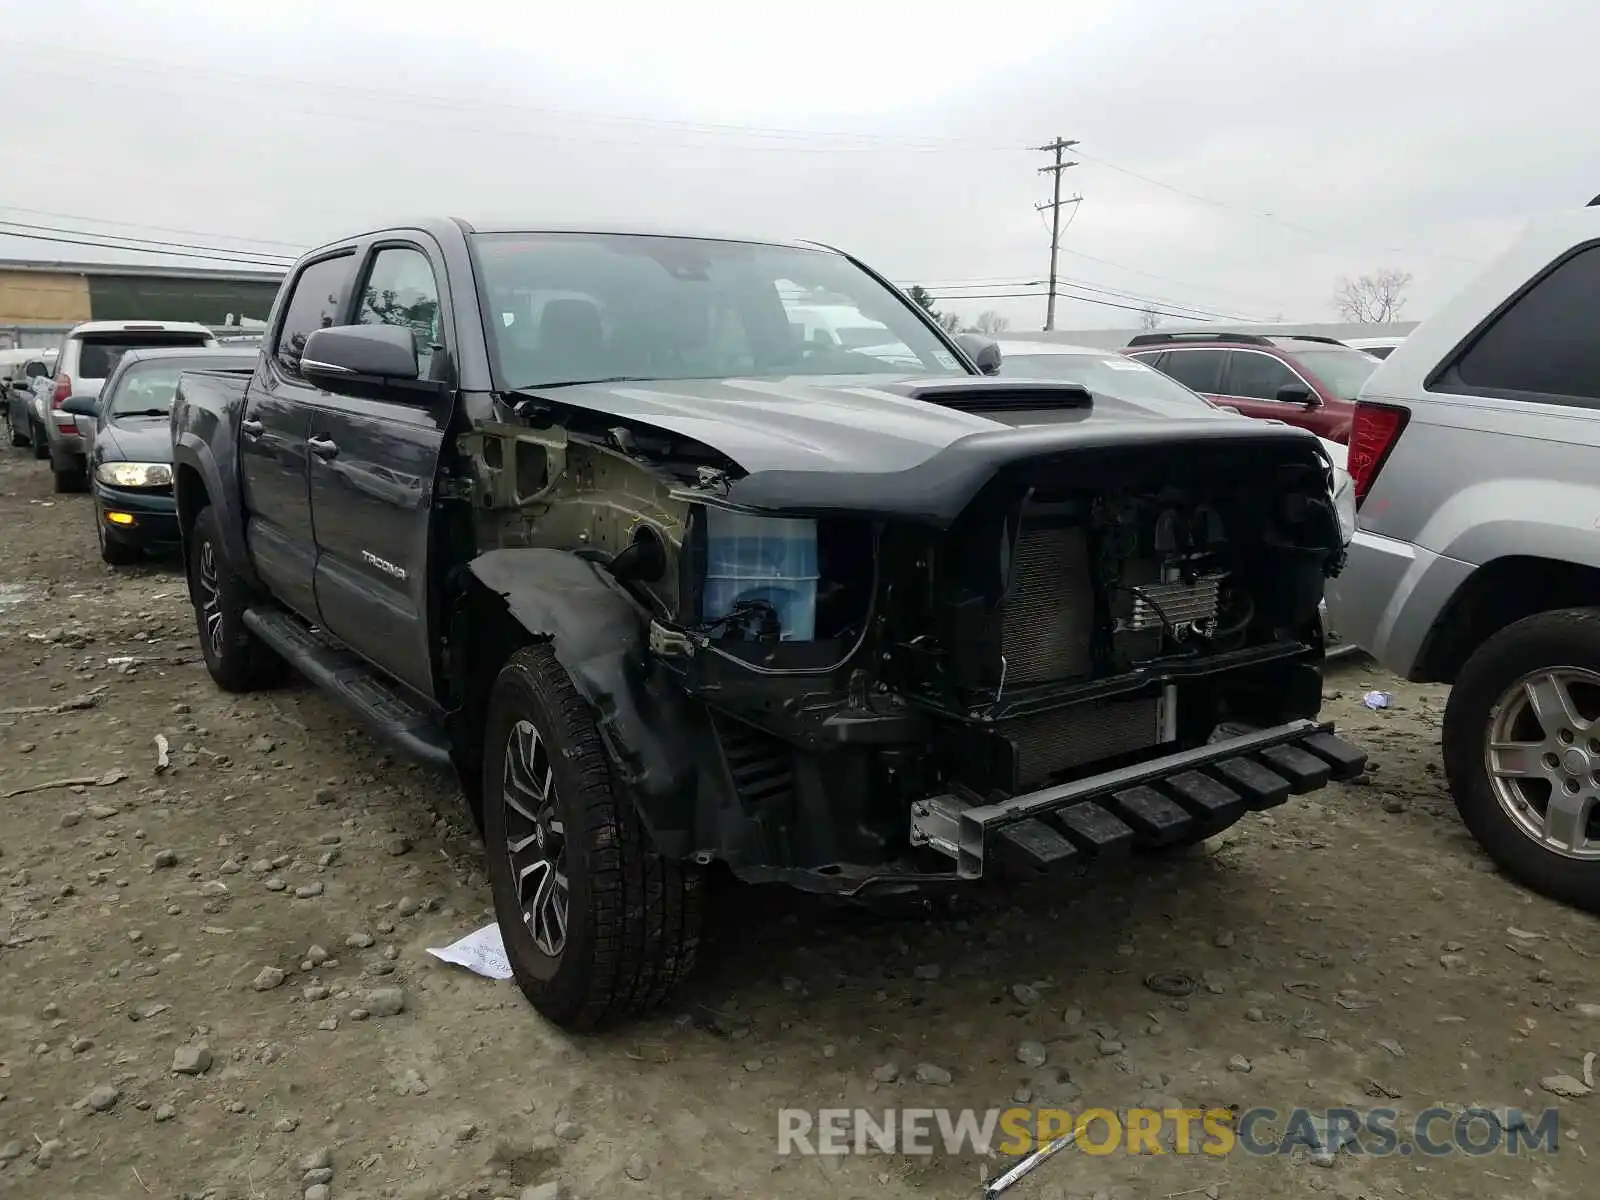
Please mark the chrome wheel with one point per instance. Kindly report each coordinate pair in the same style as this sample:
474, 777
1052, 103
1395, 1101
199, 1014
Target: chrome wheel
1543, 759
536, 840
211, 598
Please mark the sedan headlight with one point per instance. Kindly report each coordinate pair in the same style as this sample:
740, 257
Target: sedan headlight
134, 474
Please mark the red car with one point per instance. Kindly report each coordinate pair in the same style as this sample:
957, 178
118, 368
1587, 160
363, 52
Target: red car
1300, 379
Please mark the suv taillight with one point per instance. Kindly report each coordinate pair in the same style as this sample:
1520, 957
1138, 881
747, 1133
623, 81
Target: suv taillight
1373, 433
63, 390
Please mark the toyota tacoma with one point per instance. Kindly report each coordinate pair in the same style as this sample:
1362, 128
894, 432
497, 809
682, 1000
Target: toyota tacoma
589, 519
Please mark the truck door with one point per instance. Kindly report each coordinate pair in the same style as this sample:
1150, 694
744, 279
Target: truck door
373, 462
273, 432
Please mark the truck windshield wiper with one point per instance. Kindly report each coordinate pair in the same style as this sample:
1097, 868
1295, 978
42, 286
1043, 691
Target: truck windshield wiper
145, 412
561, 383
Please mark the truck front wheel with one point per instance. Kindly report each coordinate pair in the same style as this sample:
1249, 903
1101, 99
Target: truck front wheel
237, 660
596, 924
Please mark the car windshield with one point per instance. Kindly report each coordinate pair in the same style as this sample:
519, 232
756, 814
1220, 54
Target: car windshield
573, 308
146, 389
1108, 374
1342, 371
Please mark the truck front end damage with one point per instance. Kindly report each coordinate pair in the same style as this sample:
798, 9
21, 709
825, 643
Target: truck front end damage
1037, 648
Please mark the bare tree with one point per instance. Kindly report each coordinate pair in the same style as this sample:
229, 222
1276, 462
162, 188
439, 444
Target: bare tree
1149, 319
991, 323
949, 322
1374, 299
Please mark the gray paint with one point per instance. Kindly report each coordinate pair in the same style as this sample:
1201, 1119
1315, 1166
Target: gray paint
1472, 478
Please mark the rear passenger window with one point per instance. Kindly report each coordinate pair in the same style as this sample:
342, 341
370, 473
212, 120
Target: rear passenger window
1258, 376
1200, 370
1547, 342
314, 304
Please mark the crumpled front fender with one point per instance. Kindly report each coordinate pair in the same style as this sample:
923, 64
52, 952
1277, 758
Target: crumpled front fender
655, 736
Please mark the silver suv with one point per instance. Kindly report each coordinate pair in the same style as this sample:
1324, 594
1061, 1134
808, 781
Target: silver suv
88, 355
1476, 561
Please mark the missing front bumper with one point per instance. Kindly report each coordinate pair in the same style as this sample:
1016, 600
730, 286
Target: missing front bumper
1168, 799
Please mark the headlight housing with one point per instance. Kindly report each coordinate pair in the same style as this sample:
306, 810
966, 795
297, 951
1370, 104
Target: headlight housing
1344, 503
134, 474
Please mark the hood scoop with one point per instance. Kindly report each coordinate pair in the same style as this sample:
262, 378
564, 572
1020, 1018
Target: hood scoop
973, 396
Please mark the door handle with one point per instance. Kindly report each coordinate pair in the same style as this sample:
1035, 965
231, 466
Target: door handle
251, 429
323, 448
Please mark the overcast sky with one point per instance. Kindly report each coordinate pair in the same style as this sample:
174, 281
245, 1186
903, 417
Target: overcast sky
1315, 137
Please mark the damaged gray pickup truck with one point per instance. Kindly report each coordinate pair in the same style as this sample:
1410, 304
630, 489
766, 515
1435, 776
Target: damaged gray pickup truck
694, 554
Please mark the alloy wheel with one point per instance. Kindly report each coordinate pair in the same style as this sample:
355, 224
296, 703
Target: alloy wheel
211, 598
1543, 759
535, 838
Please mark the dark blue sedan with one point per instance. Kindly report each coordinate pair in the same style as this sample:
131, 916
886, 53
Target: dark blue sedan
130, 456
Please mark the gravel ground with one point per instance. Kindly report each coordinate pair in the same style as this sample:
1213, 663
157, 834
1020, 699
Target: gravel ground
213, 980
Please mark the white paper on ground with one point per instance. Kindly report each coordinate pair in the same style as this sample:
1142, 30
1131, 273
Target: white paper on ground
481, 952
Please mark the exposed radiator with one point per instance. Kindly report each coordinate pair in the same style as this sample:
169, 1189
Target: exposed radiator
1080, 733
1048, 623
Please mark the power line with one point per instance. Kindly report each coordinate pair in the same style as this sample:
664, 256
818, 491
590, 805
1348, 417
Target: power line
1155, 301
860, 140
61, 216
1080, 299
1303, 230
265, 259
1057, 147
103, 245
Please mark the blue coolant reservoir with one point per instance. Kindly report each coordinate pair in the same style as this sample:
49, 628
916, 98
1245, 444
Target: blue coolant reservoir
763, 558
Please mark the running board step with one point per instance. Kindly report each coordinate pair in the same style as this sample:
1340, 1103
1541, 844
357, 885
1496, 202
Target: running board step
379, 704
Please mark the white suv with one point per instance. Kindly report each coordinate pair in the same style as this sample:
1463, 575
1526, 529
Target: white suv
88, 355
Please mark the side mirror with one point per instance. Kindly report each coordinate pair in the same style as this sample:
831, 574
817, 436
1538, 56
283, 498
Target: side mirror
1298, 393
81, 406
984, 352
359, 358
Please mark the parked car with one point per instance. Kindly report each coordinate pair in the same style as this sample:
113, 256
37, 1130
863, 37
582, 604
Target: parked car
1477, 561
1378, 347
130, 452
86, 358
1303, 379
676, 587
29, 372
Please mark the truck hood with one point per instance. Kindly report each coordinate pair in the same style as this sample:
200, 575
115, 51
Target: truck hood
839, 423
867, 444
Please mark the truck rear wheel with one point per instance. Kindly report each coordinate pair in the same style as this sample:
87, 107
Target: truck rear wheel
1522, 752
236, 658
596, 924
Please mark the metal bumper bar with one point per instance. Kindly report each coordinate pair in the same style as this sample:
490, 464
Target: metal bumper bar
1180, 796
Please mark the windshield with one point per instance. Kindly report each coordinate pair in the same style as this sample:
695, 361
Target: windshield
570, 308
1108, 374
146, 390
1342, 371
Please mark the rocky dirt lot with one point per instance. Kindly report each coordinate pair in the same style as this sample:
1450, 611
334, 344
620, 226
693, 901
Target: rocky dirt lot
213, 980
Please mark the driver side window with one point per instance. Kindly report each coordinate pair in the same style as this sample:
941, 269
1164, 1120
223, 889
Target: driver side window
401, 291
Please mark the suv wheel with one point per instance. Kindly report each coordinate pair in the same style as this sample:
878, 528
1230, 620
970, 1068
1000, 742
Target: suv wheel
236, 658
41, 448
596, 925
1522, 752
19, 437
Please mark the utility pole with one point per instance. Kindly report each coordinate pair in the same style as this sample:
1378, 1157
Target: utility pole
1057, 147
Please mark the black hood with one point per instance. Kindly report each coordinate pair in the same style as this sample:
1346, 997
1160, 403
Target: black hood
918, 448
135, 439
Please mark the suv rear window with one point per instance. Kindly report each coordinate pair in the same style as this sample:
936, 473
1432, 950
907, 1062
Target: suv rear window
99, 354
